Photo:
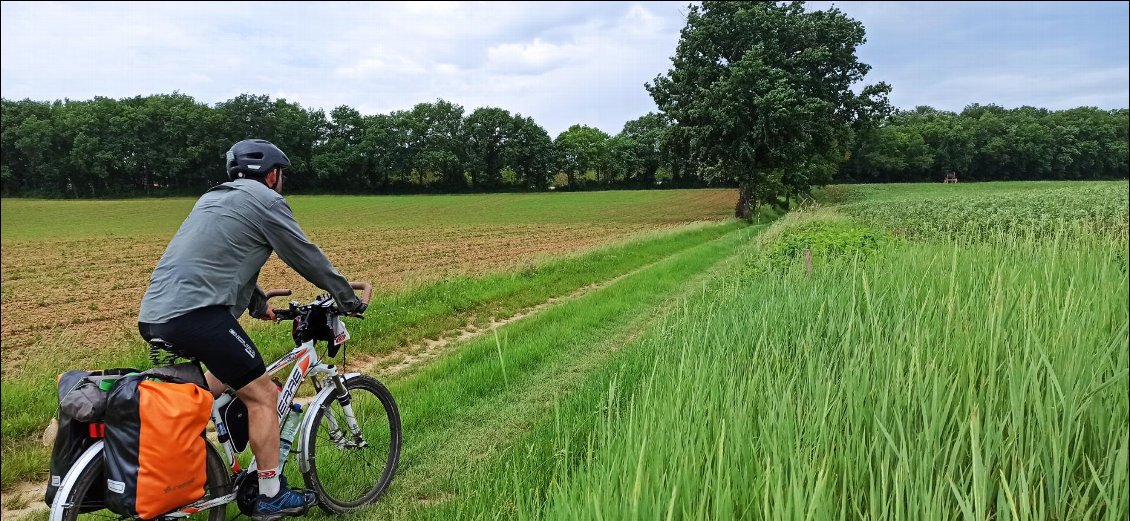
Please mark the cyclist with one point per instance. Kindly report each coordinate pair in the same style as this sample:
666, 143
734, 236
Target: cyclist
207, 278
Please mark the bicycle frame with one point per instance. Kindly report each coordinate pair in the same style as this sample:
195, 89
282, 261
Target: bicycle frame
306, 363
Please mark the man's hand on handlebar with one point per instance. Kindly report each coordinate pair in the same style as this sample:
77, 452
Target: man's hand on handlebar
288, 314
366, 294
358, 311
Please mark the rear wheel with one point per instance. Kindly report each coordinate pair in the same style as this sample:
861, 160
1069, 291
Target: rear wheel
349, 471
86, 498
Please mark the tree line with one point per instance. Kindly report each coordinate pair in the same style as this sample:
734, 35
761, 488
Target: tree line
988, 142
172, 144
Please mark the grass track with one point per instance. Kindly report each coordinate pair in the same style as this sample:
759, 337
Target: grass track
464, 409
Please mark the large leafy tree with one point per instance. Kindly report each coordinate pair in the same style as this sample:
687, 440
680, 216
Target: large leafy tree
340, 160
489, 132
386, 146
530, 153
582, 148
644, 142
437, 143
763, 92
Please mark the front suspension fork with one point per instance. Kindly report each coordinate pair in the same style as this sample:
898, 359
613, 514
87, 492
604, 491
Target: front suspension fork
343, 397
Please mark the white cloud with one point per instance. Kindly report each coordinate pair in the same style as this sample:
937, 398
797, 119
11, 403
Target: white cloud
535, 56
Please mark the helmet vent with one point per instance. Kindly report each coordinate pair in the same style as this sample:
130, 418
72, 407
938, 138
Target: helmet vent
253, 158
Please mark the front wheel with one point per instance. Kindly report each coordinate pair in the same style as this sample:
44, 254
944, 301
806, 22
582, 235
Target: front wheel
85, 499
353, 446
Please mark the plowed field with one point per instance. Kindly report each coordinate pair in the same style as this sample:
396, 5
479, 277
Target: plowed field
73, 272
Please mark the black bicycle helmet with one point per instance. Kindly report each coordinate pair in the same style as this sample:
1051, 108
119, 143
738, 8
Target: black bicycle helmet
254, 158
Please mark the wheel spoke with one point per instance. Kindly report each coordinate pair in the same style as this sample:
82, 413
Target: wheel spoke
346, 475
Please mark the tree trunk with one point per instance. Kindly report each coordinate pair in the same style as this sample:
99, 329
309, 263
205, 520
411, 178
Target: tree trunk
741, 210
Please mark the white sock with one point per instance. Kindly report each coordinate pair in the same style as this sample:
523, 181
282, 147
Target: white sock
269, 482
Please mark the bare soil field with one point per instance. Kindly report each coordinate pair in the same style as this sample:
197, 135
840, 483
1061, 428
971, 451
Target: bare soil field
72, 288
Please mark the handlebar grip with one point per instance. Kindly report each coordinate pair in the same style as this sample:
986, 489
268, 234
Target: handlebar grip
278, 293
366, 290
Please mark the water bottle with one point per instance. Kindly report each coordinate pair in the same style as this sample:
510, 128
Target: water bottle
289, 430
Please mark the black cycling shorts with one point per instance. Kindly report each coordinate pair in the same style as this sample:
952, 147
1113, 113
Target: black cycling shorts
213, 336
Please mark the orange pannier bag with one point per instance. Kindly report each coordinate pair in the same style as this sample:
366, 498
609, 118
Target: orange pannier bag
155, 449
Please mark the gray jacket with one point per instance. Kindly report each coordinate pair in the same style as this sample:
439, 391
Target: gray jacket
215, 257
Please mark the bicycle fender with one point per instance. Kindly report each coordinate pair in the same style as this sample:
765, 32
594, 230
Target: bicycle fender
71, 478
305, 430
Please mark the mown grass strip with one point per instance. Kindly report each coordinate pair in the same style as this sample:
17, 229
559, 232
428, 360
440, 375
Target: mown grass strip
422, 312
466, 407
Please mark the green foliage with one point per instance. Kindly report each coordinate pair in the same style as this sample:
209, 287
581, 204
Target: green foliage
437, 140
991, 143
488, 131
531, 154
580, 149
638, 150
831, 238
172, 145
763, 92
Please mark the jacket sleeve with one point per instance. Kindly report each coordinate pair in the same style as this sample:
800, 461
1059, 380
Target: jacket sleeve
290, 243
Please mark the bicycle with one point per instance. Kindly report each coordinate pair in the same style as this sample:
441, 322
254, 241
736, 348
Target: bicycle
334, 429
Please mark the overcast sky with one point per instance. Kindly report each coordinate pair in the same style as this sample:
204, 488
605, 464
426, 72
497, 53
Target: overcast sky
561, 63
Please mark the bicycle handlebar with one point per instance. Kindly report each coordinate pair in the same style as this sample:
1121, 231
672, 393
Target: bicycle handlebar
365, 287
366, 290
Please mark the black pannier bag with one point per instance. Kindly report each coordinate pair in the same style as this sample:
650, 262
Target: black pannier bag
82, 405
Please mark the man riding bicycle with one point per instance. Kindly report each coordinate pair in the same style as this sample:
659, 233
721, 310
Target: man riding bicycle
207, 278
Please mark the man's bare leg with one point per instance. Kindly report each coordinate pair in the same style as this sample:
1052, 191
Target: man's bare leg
261, 396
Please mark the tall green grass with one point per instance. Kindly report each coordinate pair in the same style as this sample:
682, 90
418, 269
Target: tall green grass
977, 375
898, 192
938, 382
973, 213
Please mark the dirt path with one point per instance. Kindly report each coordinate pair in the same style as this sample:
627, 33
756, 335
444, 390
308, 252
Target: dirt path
409, 357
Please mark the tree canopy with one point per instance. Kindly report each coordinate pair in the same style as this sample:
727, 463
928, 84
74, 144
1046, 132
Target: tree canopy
762, 92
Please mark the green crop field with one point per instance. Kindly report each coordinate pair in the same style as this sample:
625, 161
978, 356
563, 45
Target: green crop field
889, 352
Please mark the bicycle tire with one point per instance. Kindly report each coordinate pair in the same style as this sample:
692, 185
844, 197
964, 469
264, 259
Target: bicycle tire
322, 475
94, 475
